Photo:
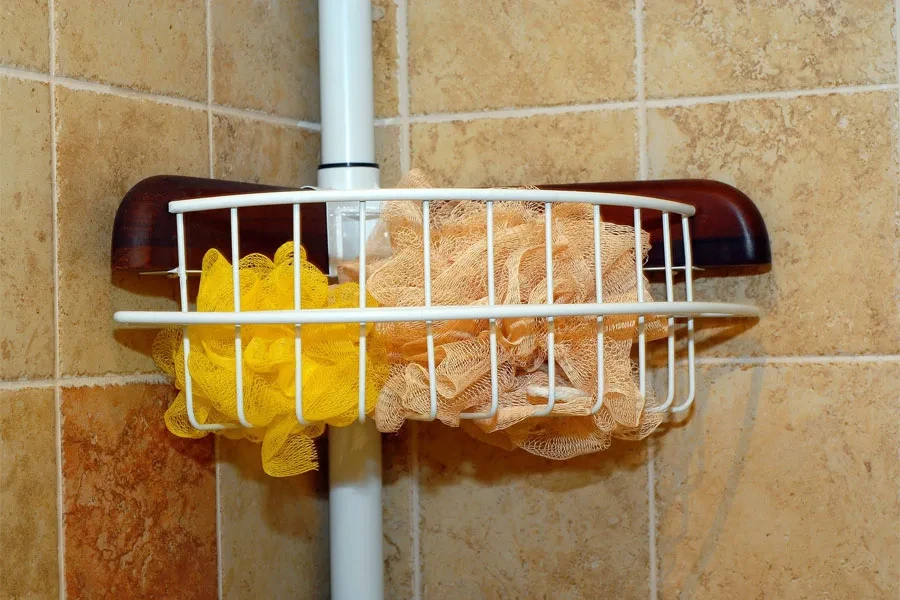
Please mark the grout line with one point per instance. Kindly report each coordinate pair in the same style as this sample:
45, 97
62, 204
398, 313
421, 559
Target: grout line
57, 391
403, 91
643, 174
265, 117
122, 92
774, 95
54, 198
92, 381
643, 160
415, 511
897, 149
896, 171
219, 561
629, 105
25, 384
651, 517
405, 151
209, 104
212, 175
114, 90
77, 84
510, 113
160, 378
14, 73
104, 380
60, 495
403, 101
897, 37
897, 133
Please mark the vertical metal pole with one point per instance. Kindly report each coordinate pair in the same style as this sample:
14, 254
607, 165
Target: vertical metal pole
348, 162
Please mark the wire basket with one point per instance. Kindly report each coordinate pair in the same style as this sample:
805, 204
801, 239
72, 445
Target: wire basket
360, 204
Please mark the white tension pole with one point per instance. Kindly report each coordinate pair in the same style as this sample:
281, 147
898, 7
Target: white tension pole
348, 163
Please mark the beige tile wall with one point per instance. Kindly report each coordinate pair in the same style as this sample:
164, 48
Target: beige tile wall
26, 231
780, 484
783, 484
274, 532
29, 566
96, 498
134, 44
468, 56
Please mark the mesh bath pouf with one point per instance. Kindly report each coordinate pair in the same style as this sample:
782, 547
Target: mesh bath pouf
330, 360
459, 277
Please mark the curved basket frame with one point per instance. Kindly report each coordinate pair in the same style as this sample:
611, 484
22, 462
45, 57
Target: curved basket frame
672, 310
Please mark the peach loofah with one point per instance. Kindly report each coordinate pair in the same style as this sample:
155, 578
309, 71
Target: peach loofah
459, 277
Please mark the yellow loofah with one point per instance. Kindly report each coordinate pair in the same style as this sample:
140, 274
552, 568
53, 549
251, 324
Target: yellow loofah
330, 360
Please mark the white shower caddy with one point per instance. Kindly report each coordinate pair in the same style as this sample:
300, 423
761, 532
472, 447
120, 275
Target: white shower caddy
348, 183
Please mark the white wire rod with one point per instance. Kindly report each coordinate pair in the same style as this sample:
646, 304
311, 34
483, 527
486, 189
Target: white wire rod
391, 314
362, 305
670, 325
185, 339
598, 284
438, 194
429, 332
495, 389
641, 320
551, 341
238, 346
689, 296
298, 341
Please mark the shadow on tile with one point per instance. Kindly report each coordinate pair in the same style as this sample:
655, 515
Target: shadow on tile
501, 524
758, 492
140, 339
709, 333
277, 497
450, 455
668, 436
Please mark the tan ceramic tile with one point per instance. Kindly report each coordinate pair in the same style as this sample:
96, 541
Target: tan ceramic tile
387, 153
395, 497
823, 172
140, 503
265, 56
783, 484
24, 34
26, 231
28, 511
384, 59
274, 530
498, 524
157, 46
106, 144
475, 55
280, 525
721, 46
572, 148
259, 152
